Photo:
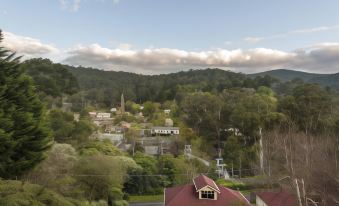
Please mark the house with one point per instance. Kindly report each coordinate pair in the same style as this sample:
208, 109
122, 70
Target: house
280, 198
168, 122
167, 111
165, 131
92, 114
151, 150
203, 192
125, 125
76, 117
113, 109
112, 137
103, 115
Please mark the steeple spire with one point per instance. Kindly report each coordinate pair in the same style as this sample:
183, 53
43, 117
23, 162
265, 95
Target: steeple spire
122, 104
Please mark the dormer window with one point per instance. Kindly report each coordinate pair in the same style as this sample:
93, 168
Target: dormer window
207, 195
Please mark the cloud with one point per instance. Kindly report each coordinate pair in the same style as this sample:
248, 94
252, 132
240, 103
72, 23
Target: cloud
70, 5
286, 34
317, 58
165, 60
26, 45
253, 39
321, 57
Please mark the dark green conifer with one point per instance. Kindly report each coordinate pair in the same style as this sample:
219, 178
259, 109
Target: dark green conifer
24, 138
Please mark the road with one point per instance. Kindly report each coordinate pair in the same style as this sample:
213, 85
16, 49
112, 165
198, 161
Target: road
146, 204
205, 162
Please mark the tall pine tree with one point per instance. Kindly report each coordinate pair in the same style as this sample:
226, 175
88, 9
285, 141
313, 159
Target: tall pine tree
24, 138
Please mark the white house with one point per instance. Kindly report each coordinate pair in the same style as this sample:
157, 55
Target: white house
167, 111
113, 109
103, 115
92, 114
165, 131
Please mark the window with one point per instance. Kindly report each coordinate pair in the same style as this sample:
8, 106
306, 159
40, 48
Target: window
207, 194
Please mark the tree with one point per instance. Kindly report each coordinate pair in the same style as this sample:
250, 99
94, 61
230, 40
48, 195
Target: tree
310, 107
101, 176
149, 109
24, 137
56, 170
62, 125
140, 179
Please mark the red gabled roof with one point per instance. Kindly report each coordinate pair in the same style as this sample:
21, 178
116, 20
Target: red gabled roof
281, 198
186, 195
202, 181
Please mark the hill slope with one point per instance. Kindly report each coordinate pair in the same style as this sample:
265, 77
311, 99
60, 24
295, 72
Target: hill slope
331, 80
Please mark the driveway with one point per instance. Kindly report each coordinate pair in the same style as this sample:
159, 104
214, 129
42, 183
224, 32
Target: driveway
146, 204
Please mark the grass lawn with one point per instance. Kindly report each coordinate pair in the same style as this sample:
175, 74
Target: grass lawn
146, 198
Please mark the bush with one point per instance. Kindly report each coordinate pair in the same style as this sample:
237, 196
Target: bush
17, 193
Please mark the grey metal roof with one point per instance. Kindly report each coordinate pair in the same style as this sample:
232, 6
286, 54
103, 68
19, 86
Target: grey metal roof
166, 128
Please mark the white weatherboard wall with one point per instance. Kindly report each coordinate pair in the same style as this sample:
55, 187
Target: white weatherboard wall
165, 130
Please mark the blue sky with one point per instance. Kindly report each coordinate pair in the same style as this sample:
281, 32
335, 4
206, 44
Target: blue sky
158, 36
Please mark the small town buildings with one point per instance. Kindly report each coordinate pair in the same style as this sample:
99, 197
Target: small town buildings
92, 114
76, 117
125, 125
103, 115
165, 131
279, 198
114, 138
221, 169
151, 150
168, 122
203, 192
167, 111
235, 131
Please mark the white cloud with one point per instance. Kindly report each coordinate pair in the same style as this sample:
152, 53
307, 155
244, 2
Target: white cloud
322, 57
317, 58
253, 39
299, 31
26, 45
70, 5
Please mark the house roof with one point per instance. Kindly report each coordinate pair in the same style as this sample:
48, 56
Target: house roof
186, 195
166, 128
281, 198
202, 181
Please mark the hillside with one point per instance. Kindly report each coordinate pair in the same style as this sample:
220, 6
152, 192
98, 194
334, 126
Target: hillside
331, 80
288, 75
141, 88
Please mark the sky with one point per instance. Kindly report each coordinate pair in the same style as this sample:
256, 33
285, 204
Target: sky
164, 36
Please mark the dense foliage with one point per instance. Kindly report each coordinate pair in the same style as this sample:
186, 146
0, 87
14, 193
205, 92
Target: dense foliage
24, 136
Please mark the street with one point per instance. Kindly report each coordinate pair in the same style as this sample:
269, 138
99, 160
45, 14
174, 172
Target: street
146, 204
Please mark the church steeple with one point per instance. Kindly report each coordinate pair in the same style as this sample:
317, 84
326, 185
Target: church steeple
122, 108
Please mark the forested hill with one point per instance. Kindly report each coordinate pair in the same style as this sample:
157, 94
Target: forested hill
331, 80
103, 88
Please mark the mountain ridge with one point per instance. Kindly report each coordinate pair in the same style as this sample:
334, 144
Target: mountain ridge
330, 80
